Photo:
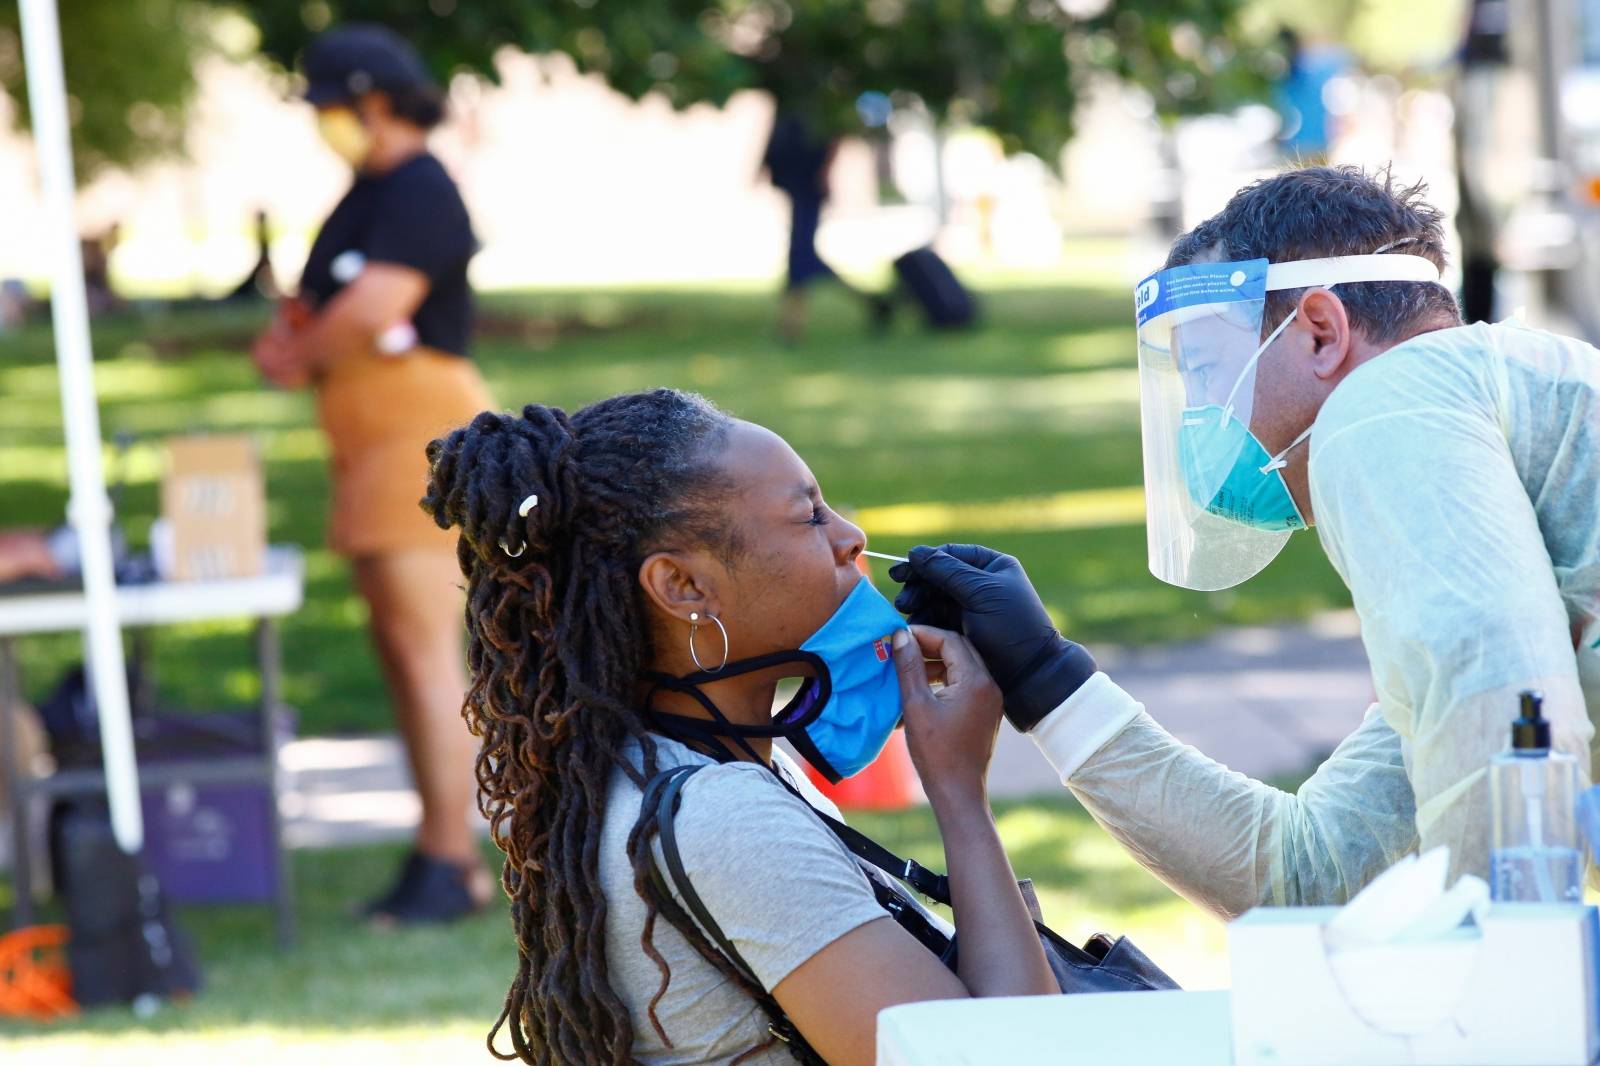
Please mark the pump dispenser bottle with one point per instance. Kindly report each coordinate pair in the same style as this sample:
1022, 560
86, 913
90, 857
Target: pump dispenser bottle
1533, 791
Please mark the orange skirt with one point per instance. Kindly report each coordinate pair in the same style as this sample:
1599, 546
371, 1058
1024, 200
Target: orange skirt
380, 413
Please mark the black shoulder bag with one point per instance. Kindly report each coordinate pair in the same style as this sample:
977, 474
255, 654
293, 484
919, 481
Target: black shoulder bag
1103, 964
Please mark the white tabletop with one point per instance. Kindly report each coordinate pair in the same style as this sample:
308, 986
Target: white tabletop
1125, 1028
278, 590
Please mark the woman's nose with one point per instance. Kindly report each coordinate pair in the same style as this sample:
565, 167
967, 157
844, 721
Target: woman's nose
849, 542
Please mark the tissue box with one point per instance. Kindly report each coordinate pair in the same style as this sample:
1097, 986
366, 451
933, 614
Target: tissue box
1520, 989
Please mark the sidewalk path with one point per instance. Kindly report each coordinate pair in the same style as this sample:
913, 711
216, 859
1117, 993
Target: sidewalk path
1265, 701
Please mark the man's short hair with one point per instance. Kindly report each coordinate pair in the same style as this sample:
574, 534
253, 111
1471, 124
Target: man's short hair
1325, 211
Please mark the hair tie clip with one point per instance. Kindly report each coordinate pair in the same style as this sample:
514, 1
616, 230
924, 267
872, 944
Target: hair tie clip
528, 504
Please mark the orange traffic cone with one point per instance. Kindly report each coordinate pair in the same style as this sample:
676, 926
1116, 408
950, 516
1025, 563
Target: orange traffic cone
34, 979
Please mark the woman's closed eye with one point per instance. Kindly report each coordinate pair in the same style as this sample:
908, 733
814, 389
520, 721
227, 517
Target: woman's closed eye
819, 515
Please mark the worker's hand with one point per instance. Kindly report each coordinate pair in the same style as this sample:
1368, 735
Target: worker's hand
986, 596
950, 732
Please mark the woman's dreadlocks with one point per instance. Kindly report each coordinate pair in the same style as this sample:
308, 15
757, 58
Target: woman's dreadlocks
556, 642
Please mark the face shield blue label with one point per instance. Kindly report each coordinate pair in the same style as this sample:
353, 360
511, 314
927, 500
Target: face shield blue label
1199, 284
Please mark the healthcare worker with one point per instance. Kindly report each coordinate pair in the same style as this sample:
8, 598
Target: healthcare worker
381, 330
1300, 363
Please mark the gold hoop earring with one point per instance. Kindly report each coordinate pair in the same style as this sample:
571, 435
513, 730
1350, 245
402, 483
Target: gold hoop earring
694, 625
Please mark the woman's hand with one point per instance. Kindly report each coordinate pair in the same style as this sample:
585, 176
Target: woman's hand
951, 733
26, 553
278, 357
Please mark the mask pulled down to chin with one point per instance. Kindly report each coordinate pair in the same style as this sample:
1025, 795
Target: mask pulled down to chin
845, 709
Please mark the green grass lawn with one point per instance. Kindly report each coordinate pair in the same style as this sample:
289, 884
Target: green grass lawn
1023, 434
428, 996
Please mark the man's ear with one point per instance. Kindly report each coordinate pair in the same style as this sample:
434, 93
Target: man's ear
679, 584
1322, 315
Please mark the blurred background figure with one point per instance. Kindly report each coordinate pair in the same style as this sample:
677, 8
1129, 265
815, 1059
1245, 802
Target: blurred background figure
1484, 61
381, 328
261, 282
796, 160
97, 290
1302, 96
25, 553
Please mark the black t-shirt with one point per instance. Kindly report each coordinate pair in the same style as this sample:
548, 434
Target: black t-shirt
412, 216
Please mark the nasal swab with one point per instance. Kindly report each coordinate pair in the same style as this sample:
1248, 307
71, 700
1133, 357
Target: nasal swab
885, 555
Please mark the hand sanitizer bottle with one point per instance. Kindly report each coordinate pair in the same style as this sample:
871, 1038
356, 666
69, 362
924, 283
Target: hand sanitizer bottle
1533, 791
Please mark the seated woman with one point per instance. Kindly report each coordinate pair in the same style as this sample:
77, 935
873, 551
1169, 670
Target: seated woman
651, 537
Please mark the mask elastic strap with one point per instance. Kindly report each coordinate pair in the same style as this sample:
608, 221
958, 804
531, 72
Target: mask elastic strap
698, 730
703, 731
733, 669
1227, 408
1278, 461
812, 754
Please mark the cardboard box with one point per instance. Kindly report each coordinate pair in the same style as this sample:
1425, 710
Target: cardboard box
1519, 990
213, 499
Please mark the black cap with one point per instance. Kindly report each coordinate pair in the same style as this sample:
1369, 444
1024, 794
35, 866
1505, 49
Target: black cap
357, 58
1532, 730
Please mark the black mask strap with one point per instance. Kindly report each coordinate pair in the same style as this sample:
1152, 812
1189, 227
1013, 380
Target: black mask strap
808, 750
785, 723
692, 730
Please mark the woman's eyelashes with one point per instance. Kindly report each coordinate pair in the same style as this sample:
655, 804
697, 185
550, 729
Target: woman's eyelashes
819, 515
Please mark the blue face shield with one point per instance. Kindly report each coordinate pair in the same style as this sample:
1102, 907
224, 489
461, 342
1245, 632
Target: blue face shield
846, 708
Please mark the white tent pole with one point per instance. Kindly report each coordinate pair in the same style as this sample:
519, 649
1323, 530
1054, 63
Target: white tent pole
89, 509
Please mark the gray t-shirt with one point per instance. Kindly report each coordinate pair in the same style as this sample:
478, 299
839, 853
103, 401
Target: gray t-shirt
779, 884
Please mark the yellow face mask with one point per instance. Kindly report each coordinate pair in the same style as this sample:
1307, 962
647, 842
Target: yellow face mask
345, 134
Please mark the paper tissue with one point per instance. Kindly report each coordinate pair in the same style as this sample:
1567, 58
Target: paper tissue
1408, 972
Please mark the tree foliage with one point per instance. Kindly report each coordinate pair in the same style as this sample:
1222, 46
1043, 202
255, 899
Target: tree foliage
1016, 67
130, 75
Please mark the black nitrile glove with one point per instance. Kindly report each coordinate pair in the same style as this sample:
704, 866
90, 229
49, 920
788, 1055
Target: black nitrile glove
985, 595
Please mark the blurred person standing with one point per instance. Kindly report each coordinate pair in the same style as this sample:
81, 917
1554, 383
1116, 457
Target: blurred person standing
1301, 97
1483, 131
380, 329
797, 160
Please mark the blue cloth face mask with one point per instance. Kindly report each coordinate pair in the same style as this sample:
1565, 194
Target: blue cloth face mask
847, 706
864, 706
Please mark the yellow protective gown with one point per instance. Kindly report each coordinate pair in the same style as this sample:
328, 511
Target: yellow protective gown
1455, 484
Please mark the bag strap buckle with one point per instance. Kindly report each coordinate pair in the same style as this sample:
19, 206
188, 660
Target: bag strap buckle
934, 886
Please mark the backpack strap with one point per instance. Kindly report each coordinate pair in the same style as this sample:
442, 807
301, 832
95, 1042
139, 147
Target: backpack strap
663, 793
668, 788
935, 886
